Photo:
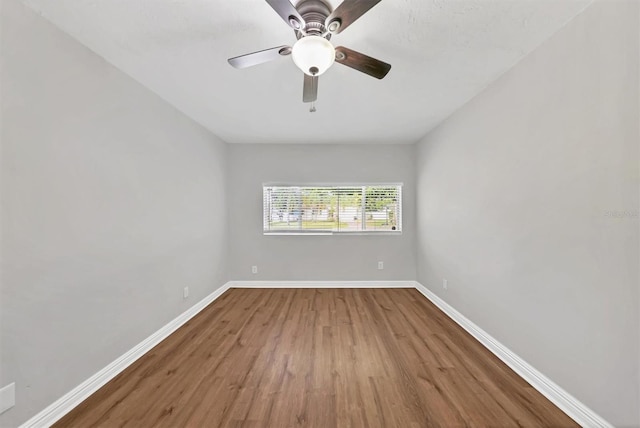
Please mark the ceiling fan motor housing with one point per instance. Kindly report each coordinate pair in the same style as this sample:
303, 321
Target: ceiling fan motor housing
314, 13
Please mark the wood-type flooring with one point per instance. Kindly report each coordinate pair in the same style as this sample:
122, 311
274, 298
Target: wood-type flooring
318, 358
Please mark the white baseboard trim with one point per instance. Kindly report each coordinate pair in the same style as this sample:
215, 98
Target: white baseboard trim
322, 284
566, 402
67, 402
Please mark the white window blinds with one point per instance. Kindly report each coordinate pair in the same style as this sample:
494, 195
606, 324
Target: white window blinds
332, 209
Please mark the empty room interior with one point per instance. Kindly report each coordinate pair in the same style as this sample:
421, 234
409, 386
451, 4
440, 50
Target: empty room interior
320, 213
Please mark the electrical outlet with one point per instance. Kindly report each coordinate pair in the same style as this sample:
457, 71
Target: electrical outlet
7, 397
445, 284
254, 269
380, 265
185, 292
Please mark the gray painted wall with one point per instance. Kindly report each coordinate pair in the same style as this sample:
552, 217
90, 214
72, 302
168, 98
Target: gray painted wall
112, 202
528, 204
336, 257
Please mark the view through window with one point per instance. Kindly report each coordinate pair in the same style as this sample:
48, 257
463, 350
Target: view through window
332, 209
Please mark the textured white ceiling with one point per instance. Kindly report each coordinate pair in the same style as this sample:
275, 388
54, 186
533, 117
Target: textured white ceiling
443, 53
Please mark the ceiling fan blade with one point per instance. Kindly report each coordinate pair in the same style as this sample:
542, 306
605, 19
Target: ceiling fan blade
362, 62
310, 89
285, 9
347, 13
255, 58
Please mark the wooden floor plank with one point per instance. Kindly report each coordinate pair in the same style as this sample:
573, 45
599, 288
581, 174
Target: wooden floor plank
318, 358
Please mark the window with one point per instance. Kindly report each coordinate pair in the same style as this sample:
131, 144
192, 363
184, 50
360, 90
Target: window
332, 209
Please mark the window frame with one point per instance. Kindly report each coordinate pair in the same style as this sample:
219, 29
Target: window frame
320, 232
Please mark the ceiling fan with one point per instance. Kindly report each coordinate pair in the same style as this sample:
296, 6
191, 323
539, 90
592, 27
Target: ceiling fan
314, 22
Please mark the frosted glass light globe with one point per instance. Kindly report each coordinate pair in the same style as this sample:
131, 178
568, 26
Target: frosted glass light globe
313, 55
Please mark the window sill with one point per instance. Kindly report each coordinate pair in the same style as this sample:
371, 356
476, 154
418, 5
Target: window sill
327, 233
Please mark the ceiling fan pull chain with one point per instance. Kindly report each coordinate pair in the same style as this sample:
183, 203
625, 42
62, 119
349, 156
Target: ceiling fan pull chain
313, 107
